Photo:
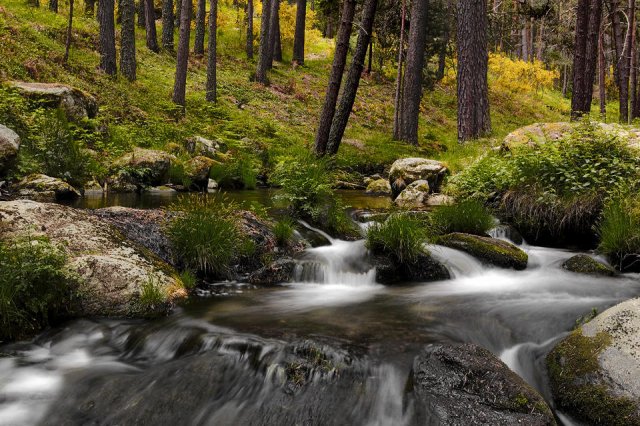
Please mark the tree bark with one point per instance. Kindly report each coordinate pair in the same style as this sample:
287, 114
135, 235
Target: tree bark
249, 29
341, 118
150, 26
633, 78
107, 37
625, 63
178, 13
335, 79
397, 100
473, 95
167, 25
370, 61
298, 39
263, 52
89, 8
602, 67
53, 5
277, 43
212, 92
128, 40
201, 14
67, 44
182, 60
141, 13
274, 22
412, 85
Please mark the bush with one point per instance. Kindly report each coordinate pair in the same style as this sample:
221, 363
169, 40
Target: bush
619, 231
35, 288
401, 235
470, 217
205, 235
283, 231
237, 173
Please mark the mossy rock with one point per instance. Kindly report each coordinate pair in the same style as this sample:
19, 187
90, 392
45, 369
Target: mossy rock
583, 264
489, 250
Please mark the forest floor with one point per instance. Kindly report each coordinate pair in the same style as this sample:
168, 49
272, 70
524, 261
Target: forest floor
270, 123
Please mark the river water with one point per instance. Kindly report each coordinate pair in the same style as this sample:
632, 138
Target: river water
334, 299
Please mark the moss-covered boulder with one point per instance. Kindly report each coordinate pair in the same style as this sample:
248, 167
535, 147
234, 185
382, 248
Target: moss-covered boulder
9, 146
378, 186
534, 134
594, 371
407, 170
424, 268
140, 168
415, 195
45, 188
118, 277
198, 145
197, 170
77, 105
488, 250
583, 264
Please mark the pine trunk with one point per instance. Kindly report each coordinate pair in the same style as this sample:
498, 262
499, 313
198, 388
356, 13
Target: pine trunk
602, 69
128, 39
335, 79
167, 25
625, 64
182, 60
249, 29
397, 100
277, 43
201, 14
141, 13
178, 13
89, 8
67, 44
107, 37
263, 52
273, 31
150, 26
53, 5
633, 78
212, 92
298, 39
339, 123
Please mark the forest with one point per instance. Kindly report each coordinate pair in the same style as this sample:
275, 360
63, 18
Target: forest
319, 212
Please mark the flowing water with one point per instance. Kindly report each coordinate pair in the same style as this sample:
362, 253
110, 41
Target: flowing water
334, 299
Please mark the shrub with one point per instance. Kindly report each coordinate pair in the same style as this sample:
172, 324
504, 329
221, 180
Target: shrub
619, 231
470, 217
34, 286
205, 235
283, 231
400, 235
237, 173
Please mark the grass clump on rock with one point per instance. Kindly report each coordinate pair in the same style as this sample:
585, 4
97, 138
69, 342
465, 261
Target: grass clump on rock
619, 231
283, 230
401, 235
469, 217
205, 235
35, 286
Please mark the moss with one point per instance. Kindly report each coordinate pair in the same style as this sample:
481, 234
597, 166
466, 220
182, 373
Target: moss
490, 250
578, 386
584, 264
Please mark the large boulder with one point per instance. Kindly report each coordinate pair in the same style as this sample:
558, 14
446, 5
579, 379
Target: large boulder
378, 186
407, 170
488, 250
584, 264
9, 147
197, 170
423, 269
594, 371
114, 272
414, 195
140, 168
45, 188
78, 105
467, 385
198, 145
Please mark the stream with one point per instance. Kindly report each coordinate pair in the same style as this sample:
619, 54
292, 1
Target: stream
215, 360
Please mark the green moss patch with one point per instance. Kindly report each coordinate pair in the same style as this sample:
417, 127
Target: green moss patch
489, 250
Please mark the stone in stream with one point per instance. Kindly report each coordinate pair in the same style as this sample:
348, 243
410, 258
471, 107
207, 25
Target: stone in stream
424, 269
45, 188
595, 372
9, 147
584, 264
138, 169
378, 186
278, 272
414, 195
77, 105
197, 170
405, 171
488, 250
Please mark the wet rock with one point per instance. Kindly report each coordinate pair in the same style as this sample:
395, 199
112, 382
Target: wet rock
436, 200
113, 270
277, 272
45, 188
93, 186
408, 170
489, 250
78, 105
467, 385
583, 264
140, 168
594, 371
197, 170
9, 147
200, 146
212, 185
415, 195
424, 269
508, 232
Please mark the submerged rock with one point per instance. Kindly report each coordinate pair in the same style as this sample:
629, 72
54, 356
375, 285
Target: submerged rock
77, 105
9, 147
584, 264
467, 385
45, 188
489, 250
594, 371
405, 171
114, 271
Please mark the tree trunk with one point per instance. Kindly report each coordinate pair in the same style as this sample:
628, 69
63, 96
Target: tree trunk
167, 25
565, 82
141, 13
277, 43
633, 78
107, 37
53, 5
412, 85
602, 67
263, 52
67, 44
201, 14
128, 39
473, 98
540, 42
249, 29
212, 92
625, 63
182, 60
298, 39
89, 8
178, 13
150, 26
339, 123
273, 31
335, 79
397, 100
370, 61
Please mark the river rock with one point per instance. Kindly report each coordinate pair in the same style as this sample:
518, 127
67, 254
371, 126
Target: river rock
467, 385
414, 195
9, 147
113, 270
78, 105
197, 170
200, 146
424, 269
594, 371
212, 186
584, 264
280, 271
45, 188
407, 170
378, 186
488, 250
140, 168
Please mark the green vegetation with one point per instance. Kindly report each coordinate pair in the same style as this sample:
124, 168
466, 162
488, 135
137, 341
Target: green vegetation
283, 230
489, 250
468, 216
189, 279
205, 235
401, 235
151, 295
619, 231
35, 287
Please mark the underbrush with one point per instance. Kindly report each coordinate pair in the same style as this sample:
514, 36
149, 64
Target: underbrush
619, 232
401, 235
468, 216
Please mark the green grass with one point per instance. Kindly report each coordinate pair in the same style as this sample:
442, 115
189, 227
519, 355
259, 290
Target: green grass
283, 230
401, 235
468, 216
619, 231
151, 294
